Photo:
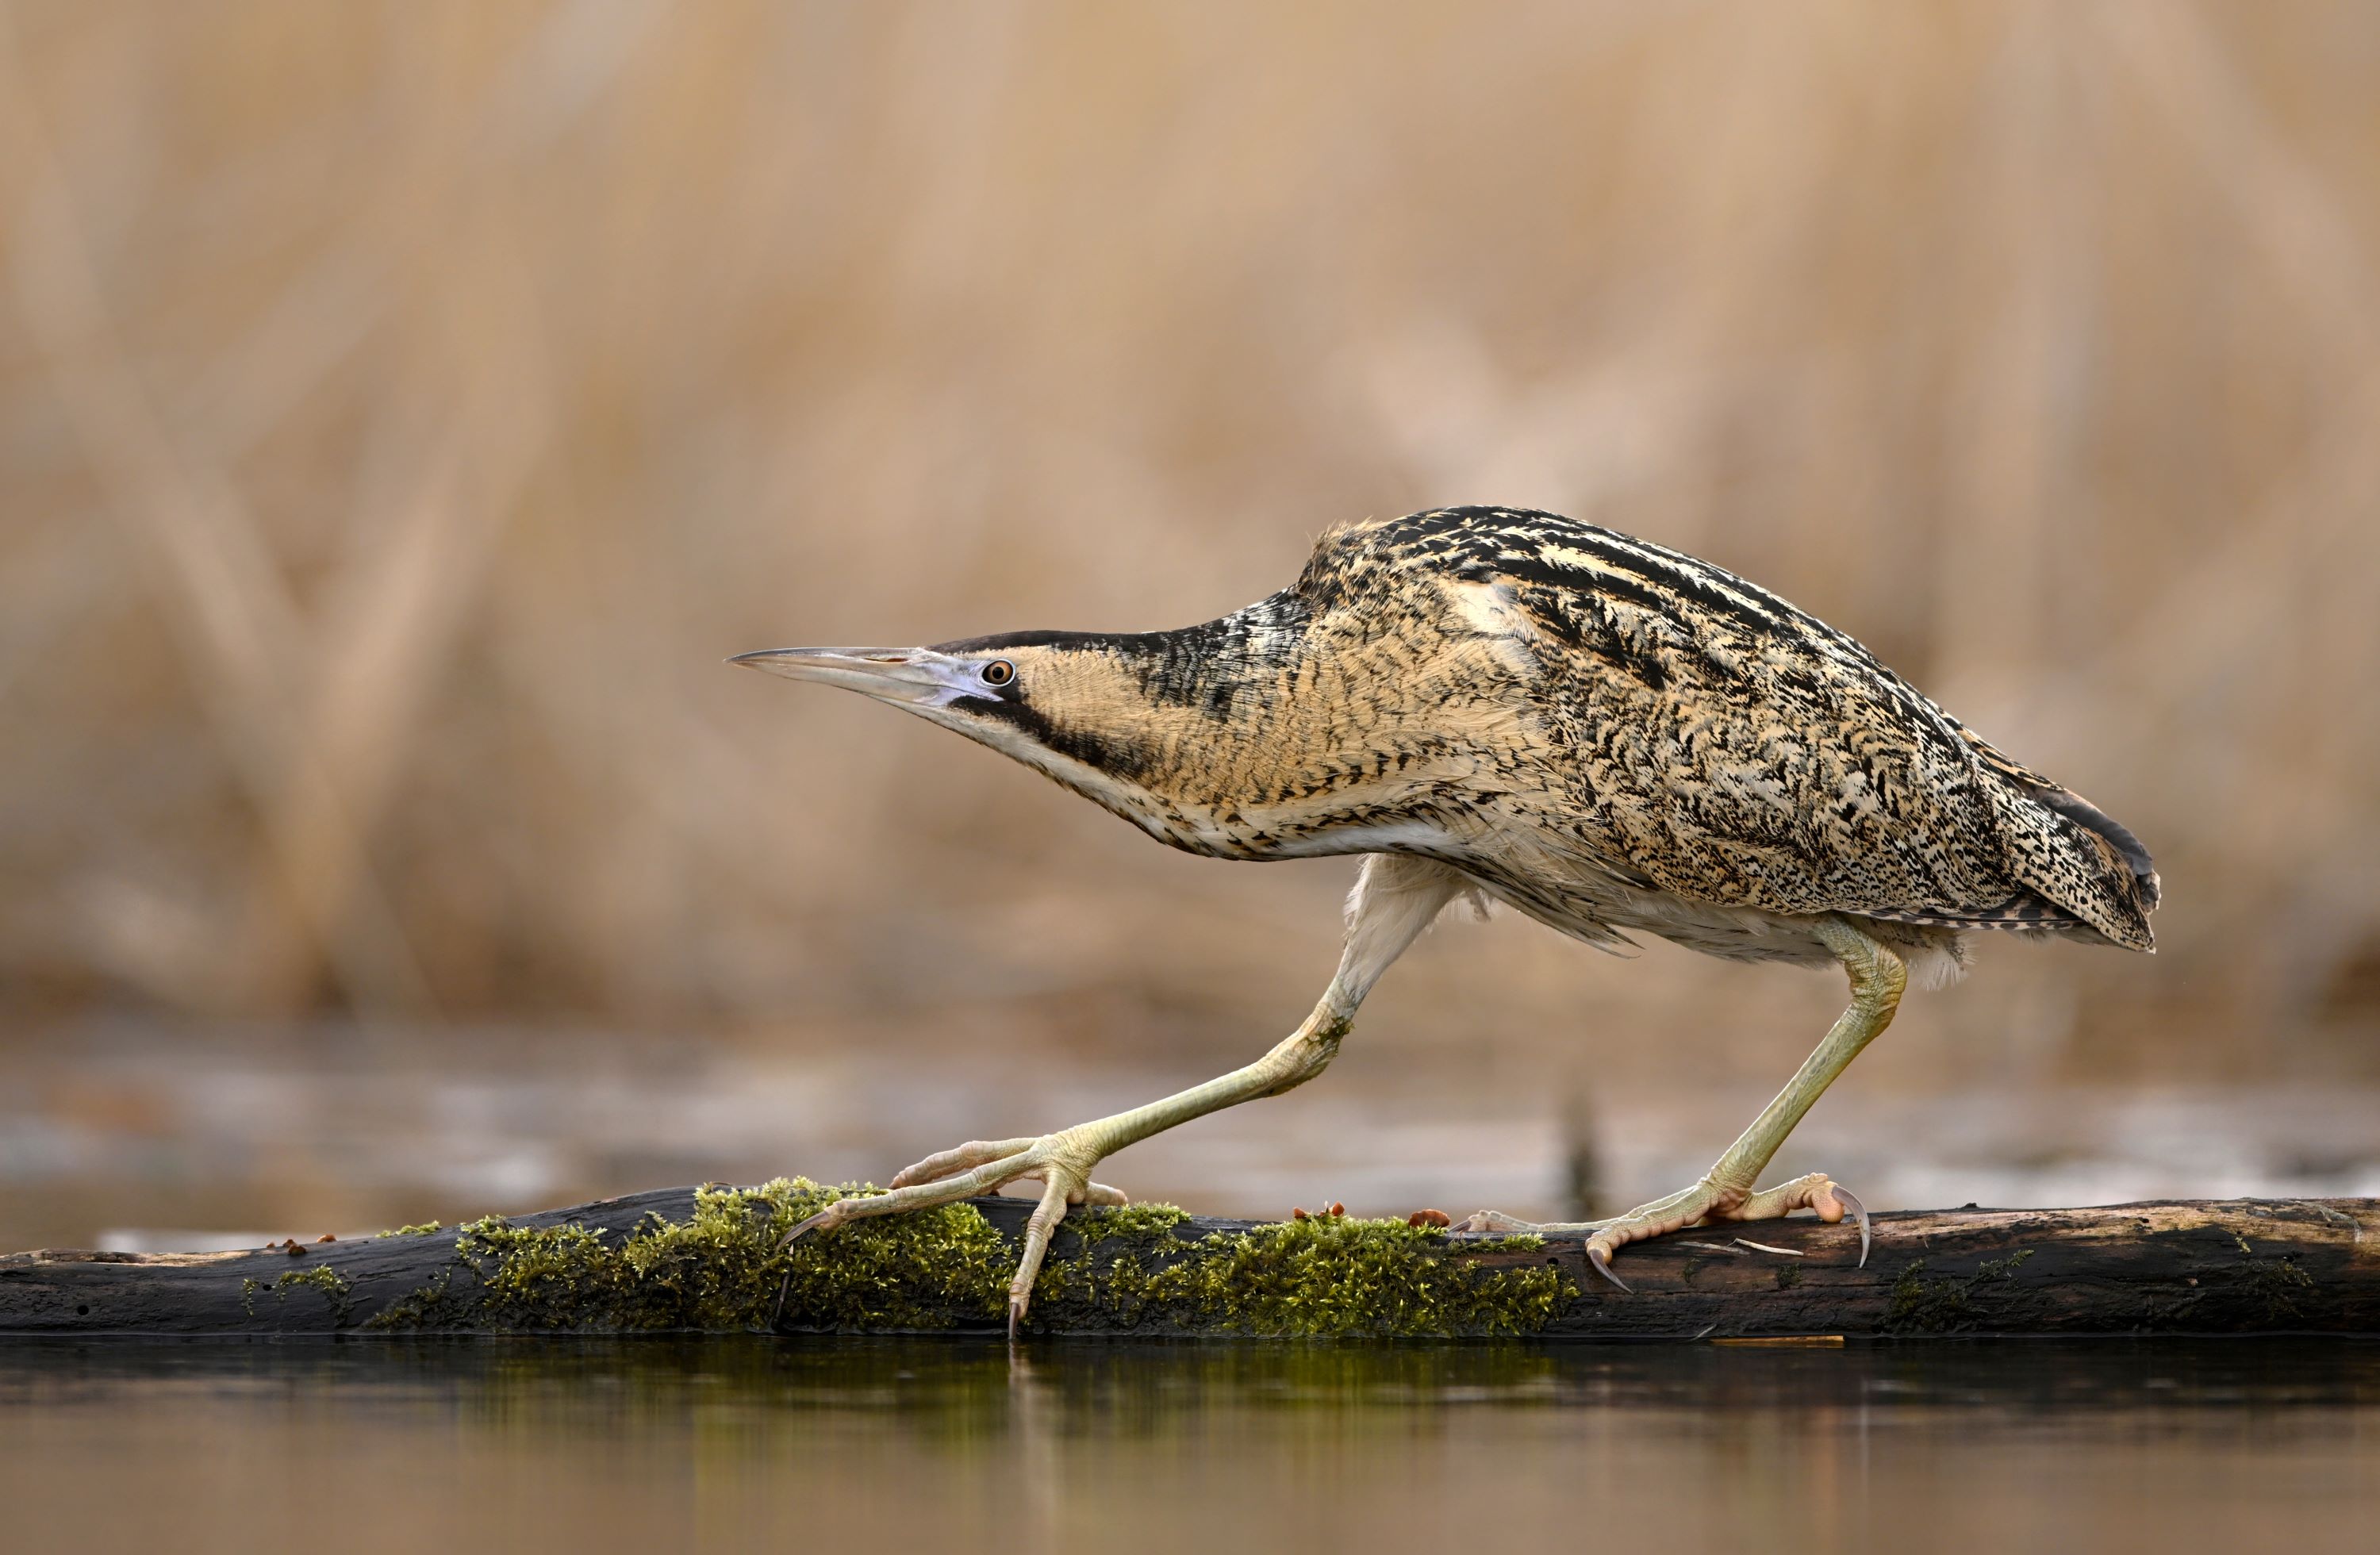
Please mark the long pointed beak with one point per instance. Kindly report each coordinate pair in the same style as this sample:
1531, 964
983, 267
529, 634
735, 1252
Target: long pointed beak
913, 675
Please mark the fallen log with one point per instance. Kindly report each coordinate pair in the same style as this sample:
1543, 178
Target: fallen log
709, 1259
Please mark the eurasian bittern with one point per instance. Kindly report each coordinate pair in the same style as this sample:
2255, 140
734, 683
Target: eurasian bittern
1602, 732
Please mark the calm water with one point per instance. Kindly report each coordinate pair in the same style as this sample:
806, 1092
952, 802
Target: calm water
938, 1445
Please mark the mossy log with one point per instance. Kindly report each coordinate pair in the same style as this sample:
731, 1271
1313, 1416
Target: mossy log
686, 1260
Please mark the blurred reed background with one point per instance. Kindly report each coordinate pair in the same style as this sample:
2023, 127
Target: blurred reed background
405, 408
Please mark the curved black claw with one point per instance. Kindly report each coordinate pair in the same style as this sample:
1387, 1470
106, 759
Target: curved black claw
1858, 1212
1602, 1262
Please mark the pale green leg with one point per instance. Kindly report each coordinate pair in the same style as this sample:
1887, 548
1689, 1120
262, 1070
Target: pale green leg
1394, 900
1725, 1193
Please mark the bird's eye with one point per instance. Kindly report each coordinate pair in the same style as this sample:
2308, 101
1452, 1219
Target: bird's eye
1000, 671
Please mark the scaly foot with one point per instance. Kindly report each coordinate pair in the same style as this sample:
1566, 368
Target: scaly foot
1062, 1161
1693, 1206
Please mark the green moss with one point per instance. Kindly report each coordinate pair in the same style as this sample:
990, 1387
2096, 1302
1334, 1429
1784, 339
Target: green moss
890, 1272
1124, 1269
1148, 1225
422, 1230
322, 1277
559, 1277
721, 1269
433, 1305
1325, 1277
1789, 1274
1923, 1305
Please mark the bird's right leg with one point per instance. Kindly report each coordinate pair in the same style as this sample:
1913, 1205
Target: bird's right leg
1395, 898
1726, 1192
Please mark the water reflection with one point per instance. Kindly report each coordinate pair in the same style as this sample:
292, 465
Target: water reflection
923, 1444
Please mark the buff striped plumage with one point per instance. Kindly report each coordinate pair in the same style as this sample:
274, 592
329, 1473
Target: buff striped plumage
1604, 732
1749, 752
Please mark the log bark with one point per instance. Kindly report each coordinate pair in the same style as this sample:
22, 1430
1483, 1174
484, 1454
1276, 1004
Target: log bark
2233, 1267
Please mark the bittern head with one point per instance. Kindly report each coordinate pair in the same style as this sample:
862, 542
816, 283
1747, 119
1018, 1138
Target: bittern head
1198, 736
1076, 706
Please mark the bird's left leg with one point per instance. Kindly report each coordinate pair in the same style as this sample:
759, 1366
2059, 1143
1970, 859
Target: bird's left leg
1725, 1192
1395, 898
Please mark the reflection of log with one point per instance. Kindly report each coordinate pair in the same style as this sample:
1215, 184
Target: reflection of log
674, 1259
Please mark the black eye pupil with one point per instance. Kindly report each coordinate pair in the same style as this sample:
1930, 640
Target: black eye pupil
1000, 671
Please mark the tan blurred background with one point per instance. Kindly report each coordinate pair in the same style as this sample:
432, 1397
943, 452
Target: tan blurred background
405, 408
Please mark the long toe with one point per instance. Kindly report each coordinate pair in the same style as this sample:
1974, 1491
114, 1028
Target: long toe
949, 1163
919, 1196
1495, 1222
1061, 1185
822, 1218
978, 1167
1605, 1238
1830, 1200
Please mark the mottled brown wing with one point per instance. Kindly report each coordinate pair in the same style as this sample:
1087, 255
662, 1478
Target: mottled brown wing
1734, 749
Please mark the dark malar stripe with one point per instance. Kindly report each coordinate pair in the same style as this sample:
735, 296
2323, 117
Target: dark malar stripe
1117, 758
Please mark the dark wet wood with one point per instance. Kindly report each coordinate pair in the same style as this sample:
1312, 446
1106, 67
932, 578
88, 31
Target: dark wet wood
2230, 1266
